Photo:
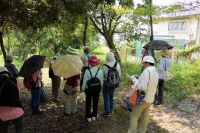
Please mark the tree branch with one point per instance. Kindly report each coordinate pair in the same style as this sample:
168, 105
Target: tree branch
115, 25
95, 25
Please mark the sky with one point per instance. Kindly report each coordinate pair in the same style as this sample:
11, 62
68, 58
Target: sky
165, 2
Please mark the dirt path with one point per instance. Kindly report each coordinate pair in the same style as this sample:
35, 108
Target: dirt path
163, 119
174, 121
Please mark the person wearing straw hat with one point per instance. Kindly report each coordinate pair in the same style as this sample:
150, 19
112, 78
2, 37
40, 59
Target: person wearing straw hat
92, 84
162, 66
10, 105
147, 82
11, 67
55, 80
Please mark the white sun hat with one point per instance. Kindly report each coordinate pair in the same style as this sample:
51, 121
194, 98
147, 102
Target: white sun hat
149, 59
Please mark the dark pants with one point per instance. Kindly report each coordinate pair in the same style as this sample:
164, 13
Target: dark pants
35, 100
43, 97
91, 96
55, 86
108, 95
17, 122
159, 96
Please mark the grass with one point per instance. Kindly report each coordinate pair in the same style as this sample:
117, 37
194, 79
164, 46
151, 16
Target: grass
185, 82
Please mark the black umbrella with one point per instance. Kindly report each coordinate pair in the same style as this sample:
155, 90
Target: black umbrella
158, 45
31, 65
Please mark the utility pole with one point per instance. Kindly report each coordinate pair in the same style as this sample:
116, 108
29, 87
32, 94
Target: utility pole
151, 21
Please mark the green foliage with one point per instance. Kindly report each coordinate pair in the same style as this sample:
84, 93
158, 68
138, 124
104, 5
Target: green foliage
26, 13
189, 51
130, 68
185, 82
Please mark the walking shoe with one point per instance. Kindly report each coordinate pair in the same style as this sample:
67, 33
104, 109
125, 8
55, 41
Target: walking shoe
93, 118
38, 112
106, 114
89, 120
111, 113
66, 114
157, 103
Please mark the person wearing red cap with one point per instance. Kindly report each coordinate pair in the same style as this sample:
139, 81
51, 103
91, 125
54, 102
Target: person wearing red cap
92, 84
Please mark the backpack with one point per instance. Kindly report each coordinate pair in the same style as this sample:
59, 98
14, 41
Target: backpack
94, 84
28, 83
113, 76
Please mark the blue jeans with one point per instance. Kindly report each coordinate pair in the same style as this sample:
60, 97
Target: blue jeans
108, 95
35, 100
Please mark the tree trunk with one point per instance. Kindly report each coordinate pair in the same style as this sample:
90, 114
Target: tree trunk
8, 49
2, 46
55, 50
112, 47
85, 31
151, 25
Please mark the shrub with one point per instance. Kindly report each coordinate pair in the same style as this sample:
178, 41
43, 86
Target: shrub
184, 83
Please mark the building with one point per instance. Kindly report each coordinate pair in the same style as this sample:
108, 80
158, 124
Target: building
180, 28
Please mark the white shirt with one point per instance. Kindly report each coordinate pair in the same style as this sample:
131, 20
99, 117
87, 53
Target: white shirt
163, 65
148, 82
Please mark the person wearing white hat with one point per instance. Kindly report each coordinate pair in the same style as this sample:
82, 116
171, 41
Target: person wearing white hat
163, 65
147, 83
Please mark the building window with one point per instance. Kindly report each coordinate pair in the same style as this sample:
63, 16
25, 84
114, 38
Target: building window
177, 25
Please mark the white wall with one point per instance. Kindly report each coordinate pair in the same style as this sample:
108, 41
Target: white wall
161, 30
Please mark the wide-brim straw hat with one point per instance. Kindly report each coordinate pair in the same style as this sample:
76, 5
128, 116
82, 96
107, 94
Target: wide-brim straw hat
166, 53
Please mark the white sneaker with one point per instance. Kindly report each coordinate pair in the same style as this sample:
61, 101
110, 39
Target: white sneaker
93, 118
89, 119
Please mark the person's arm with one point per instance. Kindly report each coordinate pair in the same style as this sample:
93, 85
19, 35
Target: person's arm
101, 76
143, 81
160, 65
119, 69
105, 71
35, 76
15, 71
85, 79
40, 75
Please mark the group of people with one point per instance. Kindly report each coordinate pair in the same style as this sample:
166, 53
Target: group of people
91, 80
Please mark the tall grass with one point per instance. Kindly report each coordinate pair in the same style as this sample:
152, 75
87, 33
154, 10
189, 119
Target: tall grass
185, 82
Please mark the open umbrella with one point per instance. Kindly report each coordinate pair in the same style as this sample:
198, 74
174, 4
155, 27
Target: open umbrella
31, 65
158, 45
67, 66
